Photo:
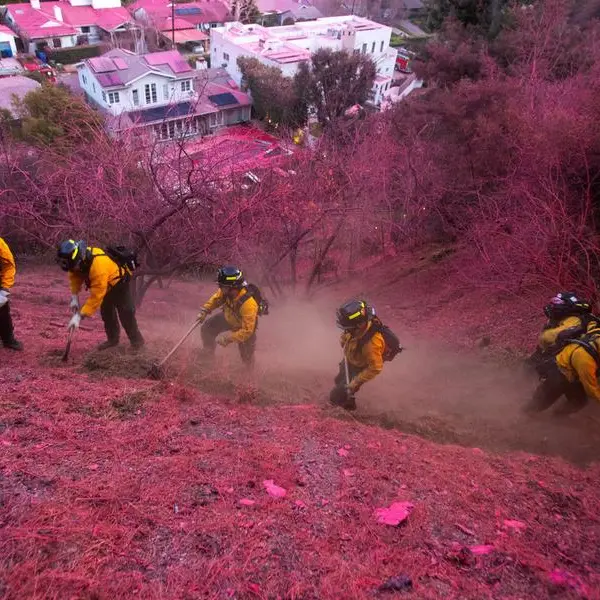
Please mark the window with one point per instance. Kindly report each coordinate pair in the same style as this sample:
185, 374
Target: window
216, 119
225, 56
364, 49
373, 48
84, 79
135, 96
166, 91
381, 47
113, 97
186, 86
56, 42
85, 29
357, 51
103, 96
150, 92
94, 87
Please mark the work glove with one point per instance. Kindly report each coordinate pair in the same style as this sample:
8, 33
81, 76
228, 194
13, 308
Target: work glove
202, 316
75, 321
352, 388
224, 340
74, 306
4, 294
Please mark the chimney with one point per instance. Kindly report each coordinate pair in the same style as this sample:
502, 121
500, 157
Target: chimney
58, 13
35, 4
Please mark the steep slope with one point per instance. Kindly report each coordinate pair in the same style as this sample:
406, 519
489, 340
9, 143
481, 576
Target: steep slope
116, 486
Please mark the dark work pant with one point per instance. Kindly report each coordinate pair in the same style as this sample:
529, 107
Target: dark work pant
6, 325
119, 301
216, 325
553, 386
340, 378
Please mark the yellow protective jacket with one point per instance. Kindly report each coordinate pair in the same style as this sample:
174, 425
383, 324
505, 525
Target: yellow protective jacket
369, 358
577, 363
240, 317
548, 336
104, 274
7, 266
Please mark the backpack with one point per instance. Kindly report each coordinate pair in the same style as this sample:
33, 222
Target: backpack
392, 343
124, 257
252, 291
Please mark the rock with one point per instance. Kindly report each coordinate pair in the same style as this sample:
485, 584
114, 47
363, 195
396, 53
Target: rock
247, 502
342, 452
395, 514
482, 549
274, 490
400, 583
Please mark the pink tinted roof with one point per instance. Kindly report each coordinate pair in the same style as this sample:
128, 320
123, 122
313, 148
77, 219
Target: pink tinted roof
172, 59
7, 31
42, 23
120, 63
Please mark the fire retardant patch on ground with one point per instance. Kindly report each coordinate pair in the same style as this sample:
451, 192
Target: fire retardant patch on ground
130, 488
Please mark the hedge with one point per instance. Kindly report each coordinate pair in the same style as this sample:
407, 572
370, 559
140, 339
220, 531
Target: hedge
68, 56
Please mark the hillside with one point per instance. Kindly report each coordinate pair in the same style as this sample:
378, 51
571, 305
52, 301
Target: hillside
113, 485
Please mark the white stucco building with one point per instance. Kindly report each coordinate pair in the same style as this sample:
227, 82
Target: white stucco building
286, 47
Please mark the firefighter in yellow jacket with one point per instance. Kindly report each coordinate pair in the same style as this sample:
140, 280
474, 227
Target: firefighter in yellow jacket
364, 349
237, 322
7, 280
572, 373
110, 291
568, 317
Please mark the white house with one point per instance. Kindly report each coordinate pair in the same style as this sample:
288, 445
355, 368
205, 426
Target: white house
65, 23
286, 47
7, 42
159, 92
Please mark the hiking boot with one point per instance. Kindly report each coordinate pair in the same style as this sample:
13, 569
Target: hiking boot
137, 346
107, 344
13, 345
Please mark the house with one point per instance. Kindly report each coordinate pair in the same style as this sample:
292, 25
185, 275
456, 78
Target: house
185, 24
287, 47
15, 88
412, 8
287, 12
160, 94
407, 29
8, 47
65, 23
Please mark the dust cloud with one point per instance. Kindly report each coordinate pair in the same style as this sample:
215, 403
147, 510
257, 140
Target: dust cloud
444, 395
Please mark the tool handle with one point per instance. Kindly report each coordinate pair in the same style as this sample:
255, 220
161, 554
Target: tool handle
176, 346
346, 371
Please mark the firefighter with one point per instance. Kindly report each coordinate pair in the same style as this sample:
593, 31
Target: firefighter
110, 290
572, 373
364, 347
7, 280
237, 322
568, 317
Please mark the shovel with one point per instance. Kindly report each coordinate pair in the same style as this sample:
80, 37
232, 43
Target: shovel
65, 355
339, 395
156, 370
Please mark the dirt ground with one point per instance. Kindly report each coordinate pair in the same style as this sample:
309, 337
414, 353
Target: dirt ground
114, 485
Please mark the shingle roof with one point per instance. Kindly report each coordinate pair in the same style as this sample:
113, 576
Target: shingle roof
34, 23
119, 67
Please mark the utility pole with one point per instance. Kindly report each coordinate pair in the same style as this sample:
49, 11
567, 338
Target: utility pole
173, 22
